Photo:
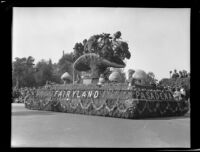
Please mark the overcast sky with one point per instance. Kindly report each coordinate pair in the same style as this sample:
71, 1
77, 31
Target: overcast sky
158, 38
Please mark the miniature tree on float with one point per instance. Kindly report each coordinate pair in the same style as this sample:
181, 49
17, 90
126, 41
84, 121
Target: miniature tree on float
100, 52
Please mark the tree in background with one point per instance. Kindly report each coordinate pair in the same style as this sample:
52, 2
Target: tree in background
26, 73
151, 78
23, 71
78, 51
18, 67
44, 72
55, 73
65, 64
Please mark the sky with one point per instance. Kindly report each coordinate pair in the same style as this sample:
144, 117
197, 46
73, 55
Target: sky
158, 38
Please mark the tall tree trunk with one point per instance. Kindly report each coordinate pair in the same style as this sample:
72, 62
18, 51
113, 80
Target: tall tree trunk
17, 82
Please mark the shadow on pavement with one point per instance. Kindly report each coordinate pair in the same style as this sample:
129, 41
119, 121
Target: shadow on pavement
25, 113
168, 118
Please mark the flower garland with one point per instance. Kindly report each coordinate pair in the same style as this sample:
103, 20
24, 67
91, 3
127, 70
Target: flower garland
87, 105
123, 107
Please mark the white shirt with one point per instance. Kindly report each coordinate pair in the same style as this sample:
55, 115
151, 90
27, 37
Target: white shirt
177, 95
183, 91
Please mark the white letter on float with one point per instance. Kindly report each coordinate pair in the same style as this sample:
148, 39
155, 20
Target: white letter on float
77, 94
60, 94
90, 94
68, 93
148, 96
152, 96
64, 93
142, 95
96, 94
56, 92
74, 92
84, 94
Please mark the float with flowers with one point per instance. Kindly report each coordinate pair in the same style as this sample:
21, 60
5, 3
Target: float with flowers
112, 100
92, 95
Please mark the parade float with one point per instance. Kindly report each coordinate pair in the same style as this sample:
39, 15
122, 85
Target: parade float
93, 95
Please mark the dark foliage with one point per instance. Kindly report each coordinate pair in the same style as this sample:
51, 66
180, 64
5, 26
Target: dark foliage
104, 45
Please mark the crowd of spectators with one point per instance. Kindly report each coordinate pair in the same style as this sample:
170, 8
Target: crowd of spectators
179, 92
180, 74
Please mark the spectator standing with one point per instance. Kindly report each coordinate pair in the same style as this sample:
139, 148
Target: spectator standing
177, 94
183, 92
180, 74
188, 74
170, 74
175, 74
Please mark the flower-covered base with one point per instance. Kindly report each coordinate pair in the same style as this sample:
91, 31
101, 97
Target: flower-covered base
112, 101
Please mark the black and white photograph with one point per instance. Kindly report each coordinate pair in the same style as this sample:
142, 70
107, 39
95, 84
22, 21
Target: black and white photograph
101, 77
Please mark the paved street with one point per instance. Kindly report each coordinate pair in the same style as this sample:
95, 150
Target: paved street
32, 128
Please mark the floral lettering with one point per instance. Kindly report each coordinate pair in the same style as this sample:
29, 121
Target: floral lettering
152, 96
60, 94
55, 94
96, 94
84, 94
68, 93
148, 96
77, 94
142, 95
90, 94
74, 92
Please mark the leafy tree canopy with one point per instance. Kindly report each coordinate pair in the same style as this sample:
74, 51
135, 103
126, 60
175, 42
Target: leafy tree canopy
65, 64
106, 46
22, 71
